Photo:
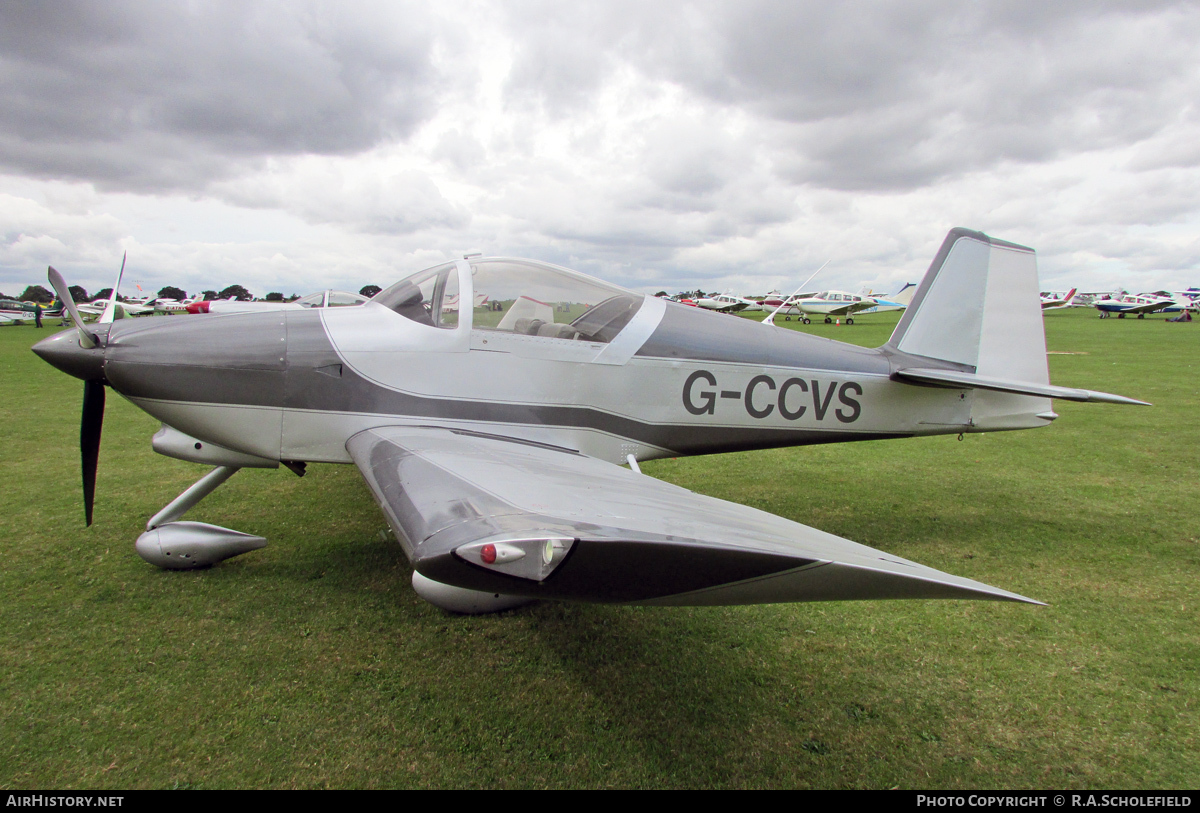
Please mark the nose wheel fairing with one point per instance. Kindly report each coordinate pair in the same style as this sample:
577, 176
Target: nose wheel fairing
181, 545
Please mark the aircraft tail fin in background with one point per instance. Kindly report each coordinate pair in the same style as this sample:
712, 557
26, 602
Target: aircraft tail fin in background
904, 295
978, 305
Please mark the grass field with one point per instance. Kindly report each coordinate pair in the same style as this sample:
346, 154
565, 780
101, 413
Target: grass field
313, 664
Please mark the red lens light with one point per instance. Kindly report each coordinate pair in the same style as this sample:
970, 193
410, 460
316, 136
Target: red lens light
488, 554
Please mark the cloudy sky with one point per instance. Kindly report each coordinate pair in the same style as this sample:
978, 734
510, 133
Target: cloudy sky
294, 146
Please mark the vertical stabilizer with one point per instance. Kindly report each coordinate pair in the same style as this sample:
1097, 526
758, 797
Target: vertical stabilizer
905, 295
979, 306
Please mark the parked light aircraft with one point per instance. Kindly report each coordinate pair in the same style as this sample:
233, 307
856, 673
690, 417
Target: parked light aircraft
112, 308
904, 296
170, 306
450, 303
107, 310
15, 312
1052, 301
321, 299
12, 310
787, 306
724, 303
884, 304
832, 304
771, 301
127, 308
493, 440
1181, 300
1122, 304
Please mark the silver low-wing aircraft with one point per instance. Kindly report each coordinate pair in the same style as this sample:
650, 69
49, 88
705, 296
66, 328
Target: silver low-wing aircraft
495, 439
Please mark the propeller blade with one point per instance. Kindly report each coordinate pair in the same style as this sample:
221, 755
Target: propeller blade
89, 440
86, 339
113, 309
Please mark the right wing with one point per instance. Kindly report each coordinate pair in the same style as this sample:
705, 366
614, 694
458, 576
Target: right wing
512, 517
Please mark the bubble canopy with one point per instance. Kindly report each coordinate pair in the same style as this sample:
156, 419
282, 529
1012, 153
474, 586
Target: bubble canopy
516, 296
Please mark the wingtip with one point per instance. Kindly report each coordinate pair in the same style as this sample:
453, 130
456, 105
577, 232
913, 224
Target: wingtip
1110, 398
1026, 600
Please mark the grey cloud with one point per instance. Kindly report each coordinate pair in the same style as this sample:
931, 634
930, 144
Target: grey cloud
892, 95
408, 202
460, 150
564, 51
691, 157
165, 96
365, 200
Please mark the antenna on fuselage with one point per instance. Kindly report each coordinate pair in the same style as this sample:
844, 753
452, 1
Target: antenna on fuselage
770, 320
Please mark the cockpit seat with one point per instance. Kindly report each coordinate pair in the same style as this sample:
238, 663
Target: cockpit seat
528, 325
558, 331
406, 299
532, 326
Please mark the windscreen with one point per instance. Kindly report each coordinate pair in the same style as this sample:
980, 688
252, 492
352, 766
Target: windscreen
428, 297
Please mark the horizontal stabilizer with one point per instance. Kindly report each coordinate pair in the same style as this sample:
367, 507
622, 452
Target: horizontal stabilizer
954, 378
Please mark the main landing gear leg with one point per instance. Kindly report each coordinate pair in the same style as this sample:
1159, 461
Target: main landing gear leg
179, 545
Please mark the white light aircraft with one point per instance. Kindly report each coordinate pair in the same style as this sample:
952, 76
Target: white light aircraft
724, 303
127, 308
321, 299
1123, 304
1052, 301
904, 295
493, 441
171, 306
831, 304
884, 304
787, 305
450, 303
111, 308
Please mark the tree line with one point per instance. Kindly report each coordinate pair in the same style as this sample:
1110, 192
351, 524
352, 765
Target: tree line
38, 293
